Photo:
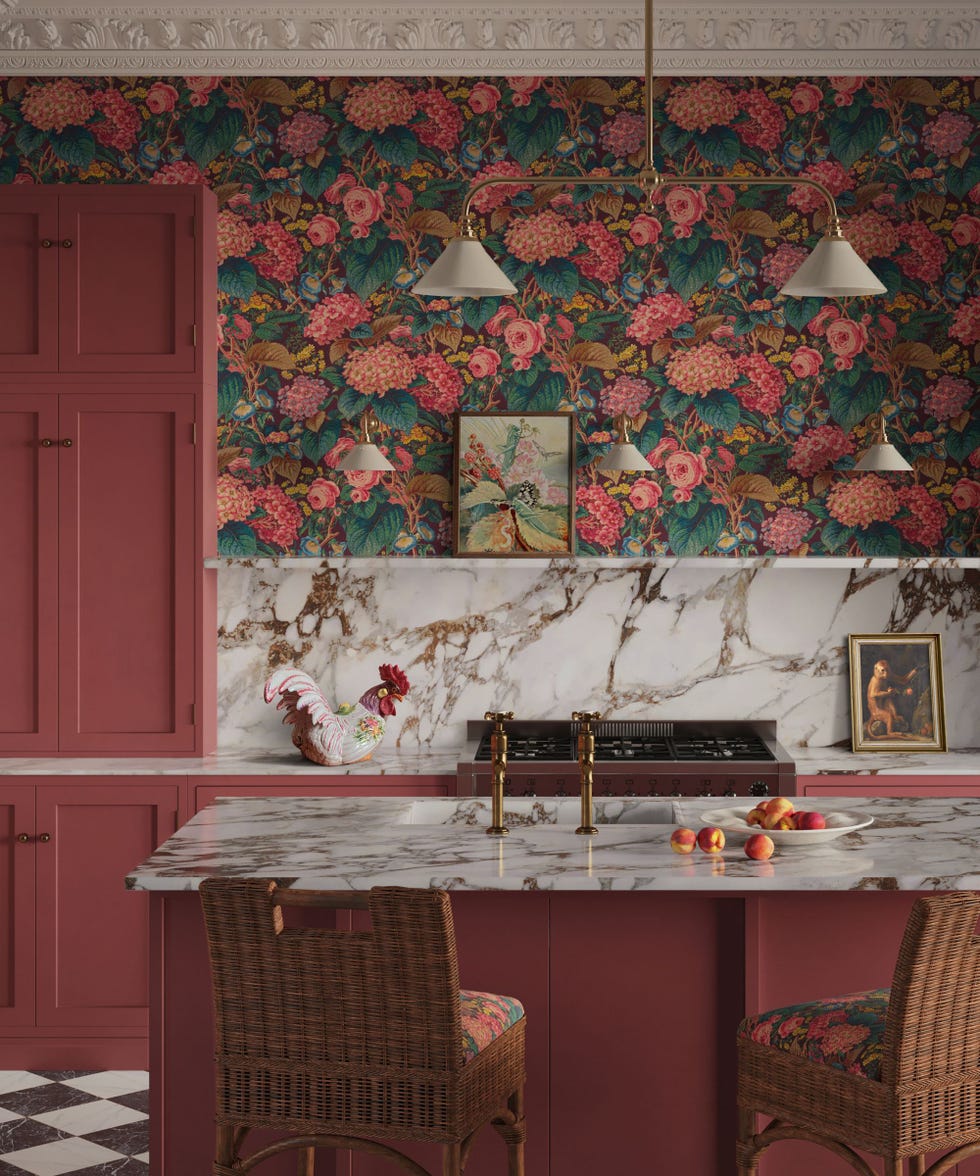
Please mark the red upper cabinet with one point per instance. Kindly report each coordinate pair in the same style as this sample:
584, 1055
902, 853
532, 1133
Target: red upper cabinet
113, 280
29, 290
128, 299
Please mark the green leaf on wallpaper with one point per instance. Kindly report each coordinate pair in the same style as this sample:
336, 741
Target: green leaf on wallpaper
557, 277
74, 145
959, 445
719, 410
673, 403
879, 539
351, 404
371, 265
351, 140
397, 146
231, 385
237, 277
799, 311
835, 536
206, 140
236, 540
398, 410
543, 396
370, 533
315, 443
477, 312
856, 131
516, 270
889, 275
719, 146
688, 274
532, 133
855, 394
673, 140
959, 180
30, 139
316, 180
9, 164
694, 536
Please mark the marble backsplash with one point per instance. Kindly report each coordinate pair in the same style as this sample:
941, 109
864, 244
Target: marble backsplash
684, 641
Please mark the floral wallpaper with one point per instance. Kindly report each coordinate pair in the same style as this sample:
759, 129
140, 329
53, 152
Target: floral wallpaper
335, 193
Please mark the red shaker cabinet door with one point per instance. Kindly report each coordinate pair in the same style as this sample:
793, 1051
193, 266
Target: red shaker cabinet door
93, 934
29, 585
128, 574
128, 286
16, 905
29, 290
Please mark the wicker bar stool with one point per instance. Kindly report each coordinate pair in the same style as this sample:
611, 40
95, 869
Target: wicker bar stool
355, 1039
894, 1072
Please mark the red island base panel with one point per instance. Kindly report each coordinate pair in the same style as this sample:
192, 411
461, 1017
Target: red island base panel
632, 1002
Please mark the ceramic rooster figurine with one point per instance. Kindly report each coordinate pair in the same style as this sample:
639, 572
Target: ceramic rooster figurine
343, 737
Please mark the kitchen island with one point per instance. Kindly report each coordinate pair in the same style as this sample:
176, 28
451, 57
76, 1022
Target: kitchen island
634, 964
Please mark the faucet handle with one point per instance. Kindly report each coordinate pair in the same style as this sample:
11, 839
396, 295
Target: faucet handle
586, 717
498, 717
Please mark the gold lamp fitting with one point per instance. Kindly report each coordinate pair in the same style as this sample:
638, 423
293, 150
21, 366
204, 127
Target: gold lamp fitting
365, 455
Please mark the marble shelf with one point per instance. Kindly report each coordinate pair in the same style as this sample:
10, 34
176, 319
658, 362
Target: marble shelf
356, 843
717, 563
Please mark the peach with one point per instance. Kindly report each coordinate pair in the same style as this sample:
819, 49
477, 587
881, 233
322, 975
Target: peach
683, 840
778, 808
756, 816
759, 847
711, 839
786, 823
811, 821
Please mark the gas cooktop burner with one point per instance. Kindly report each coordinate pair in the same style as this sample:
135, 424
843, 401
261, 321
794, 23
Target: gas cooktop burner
638, 749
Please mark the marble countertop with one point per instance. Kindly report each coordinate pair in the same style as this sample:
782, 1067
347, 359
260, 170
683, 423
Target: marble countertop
283, 760
346, 843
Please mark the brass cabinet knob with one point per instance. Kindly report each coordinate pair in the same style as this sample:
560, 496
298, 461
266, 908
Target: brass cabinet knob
66, 244
45, 837
66, 442
46, 243
46, 442
22, 837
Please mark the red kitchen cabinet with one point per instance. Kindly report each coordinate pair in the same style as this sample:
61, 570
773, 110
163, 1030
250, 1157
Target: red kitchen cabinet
16, 905
112, 280
205, 790
846, 786
29, 585
74, 943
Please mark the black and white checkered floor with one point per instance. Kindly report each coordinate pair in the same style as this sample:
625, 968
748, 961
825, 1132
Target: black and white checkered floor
56, 1123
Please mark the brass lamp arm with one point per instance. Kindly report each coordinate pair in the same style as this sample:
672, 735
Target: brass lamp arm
649, 179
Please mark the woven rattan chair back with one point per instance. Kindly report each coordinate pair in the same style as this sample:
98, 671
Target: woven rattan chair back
340, 1037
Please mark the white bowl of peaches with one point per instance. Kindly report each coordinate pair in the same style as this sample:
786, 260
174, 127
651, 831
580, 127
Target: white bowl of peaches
785, 824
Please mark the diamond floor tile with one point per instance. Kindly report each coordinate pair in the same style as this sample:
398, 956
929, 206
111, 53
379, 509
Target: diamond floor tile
110, 1083
65, 1155
90, 1117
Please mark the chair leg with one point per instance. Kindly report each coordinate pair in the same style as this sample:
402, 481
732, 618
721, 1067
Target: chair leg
745, 1163
307, 1158
515, 1147
452, 1159
894, 1167
224, 1146
917, 1165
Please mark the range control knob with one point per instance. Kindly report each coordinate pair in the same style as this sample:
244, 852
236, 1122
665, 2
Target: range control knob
730, 789
759, 788
531, 789
653, 788
675, 788
630, 790
607, 787
705, 788
507, 791
560, 790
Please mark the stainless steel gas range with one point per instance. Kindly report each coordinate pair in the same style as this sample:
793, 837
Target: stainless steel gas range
633, 757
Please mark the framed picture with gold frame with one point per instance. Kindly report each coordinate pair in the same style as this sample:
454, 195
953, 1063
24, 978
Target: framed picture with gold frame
514, 484
897, 692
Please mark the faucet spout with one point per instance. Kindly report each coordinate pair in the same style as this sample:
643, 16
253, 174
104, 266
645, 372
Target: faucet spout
586, 766
498, 756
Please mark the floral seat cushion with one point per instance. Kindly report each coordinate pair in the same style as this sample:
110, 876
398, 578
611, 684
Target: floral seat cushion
846, 1032
485, 1017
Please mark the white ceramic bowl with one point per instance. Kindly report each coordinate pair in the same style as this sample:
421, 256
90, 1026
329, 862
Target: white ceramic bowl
732, 821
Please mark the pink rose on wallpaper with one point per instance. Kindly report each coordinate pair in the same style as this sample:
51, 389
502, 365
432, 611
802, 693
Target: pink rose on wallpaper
322, 495
966, 494
200, 88
806, 361
483, 98
725, 459
806, 98
661, 451
966, 229
332, 456
524, 339
363, 207
846, 88
322, 230
361, 482
335, 193
685, 471
499, 320
644, 494
822, 319
484, 362
846, 339
563, 327
645, 229
161, 97
685, 207
523, 89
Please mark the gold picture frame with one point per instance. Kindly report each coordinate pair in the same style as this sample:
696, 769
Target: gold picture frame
514, 485
897, 701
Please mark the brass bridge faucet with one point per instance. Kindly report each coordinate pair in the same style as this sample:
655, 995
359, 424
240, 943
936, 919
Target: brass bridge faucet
498, 754
586, 764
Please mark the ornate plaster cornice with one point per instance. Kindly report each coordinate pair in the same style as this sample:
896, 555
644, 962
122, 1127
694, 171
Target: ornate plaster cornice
430, 39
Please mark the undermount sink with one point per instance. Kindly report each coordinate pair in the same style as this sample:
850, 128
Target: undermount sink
542, 812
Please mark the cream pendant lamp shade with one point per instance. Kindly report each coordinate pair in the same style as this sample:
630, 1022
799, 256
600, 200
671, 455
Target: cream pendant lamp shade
833, 270
881, 455
622, 455
464, 269
365, 455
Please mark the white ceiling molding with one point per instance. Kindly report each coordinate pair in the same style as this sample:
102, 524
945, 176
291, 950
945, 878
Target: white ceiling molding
425, 39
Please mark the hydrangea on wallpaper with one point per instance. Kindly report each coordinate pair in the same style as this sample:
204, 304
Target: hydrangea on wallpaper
334, 194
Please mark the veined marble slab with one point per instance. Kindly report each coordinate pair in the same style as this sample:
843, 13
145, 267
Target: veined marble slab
354, 844
545, 638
